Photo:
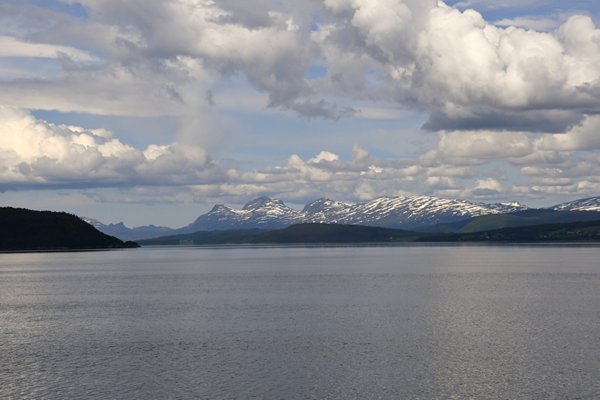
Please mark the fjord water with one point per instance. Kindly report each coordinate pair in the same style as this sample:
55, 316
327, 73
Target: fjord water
300, 323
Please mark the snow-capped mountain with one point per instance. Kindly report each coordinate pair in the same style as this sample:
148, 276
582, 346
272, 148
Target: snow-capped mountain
326, 211
264, 212
510, 207
589, 204
406, 212
401, 211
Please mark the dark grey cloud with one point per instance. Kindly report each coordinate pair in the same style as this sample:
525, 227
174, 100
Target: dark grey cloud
545, 121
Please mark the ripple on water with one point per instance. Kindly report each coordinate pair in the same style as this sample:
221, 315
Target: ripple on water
385, 323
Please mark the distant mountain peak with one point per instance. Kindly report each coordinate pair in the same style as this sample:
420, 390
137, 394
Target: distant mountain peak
588, 204
512, 204
320, 204
219, 208
121, 231
261, 202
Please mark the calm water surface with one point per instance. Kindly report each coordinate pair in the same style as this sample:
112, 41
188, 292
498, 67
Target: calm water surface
302, 323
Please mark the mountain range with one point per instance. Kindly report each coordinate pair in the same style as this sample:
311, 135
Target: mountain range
404, 212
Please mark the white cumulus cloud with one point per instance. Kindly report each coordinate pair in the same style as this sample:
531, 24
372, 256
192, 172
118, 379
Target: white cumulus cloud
37, 152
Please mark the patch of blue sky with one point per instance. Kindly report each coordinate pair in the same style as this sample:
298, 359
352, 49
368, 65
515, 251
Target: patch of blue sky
493, 10
74, 9
138, 132
316, 72
315, 21
263, 137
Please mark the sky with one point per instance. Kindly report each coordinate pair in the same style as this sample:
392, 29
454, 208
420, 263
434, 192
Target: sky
152, 111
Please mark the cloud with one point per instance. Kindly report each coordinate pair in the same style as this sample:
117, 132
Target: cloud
490, 119
359, 153
538, 24
466, 72
497, 4
328, 175
477, 147
521, 148
35, 153
487, 187
108, 90
494, 93
39, 153
477, 69
441, 182
585, 136
262, 44
324, 156
14, 47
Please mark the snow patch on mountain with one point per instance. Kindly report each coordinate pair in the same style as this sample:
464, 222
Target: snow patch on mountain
407, 212
589, 204
401, 211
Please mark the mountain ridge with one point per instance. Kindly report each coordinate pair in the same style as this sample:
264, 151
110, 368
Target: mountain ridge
403, 212
586, 204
